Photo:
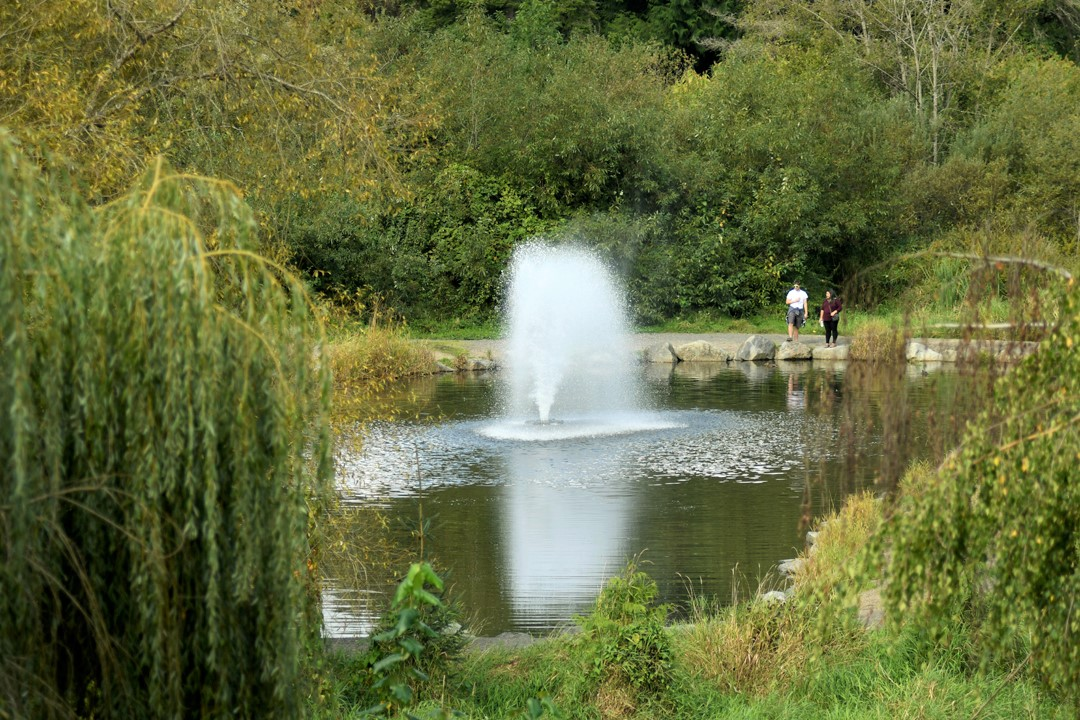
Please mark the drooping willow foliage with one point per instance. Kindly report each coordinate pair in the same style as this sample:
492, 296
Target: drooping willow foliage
993, 539
162, 438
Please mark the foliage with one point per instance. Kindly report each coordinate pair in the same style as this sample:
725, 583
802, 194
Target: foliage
755, 661
701, 31
442, 256
878, 341
593, 111
767, 198
627, 634
938, 56
417, 621
993, 538
283, 101
1029, 152
836, 565
375, 356
163, 441
405, 148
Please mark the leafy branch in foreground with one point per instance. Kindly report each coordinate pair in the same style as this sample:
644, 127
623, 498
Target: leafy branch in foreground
417, 621
993, 539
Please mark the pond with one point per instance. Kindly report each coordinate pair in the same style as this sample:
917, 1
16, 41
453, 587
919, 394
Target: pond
712, 485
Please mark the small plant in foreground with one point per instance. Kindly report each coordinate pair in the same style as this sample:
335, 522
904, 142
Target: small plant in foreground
416, 616
631, 642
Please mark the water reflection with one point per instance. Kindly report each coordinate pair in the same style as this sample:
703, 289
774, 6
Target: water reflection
714, 491
560, 532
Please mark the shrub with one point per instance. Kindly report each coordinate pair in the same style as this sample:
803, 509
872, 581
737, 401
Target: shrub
876, 341
627, 633
418, 637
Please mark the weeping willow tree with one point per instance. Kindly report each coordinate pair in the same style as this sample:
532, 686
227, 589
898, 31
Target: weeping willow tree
990, 543
162, 439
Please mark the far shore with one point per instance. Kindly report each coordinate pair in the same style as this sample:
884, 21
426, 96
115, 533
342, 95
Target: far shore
496, 349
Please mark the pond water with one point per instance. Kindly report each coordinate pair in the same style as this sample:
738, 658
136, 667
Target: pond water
712, 485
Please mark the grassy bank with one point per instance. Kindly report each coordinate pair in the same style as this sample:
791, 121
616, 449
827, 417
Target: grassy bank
808, 657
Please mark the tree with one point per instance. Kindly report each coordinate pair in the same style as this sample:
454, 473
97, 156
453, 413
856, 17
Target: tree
1033, 134
936, 54
785, 163
282, 100
994, 539
163, 435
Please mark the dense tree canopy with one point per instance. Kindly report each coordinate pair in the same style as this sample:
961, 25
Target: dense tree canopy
713, 153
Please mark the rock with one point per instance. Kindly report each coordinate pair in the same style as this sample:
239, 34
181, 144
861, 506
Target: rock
811, 538
774, 597
659, 353
441, 367
700, 351
919, 353
794, 351
840, 352
871, 609
756, 347
479, 365
790, 567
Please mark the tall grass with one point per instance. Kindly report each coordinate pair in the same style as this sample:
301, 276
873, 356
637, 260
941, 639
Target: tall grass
162, 434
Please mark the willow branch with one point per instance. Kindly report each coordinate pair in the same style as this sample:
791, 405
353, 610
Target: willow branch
143, 38
1009, 260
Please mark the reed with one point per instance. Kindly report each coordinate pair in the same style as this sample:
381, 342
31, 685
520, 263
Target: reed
163, 435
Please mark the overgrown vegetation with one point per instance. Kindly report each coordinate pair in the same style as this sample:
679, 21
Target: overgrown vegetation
626, 637
164, 401
992, 539
163, 429
806, 657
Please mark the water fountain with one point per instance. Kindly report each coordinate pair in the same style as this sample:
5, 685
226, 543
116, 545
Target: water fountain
571, 372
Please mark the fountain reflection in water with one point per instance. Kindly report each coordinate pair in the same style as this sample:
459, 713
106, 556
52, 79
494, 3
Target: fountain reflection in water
571, 372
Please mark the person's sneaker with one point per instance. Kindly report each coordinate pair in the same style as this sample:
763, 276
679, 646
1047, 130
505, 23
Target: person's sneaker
788, 340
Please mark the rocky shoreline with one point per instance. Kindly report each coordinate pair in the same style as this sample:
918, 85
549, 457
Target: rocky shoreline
673, 348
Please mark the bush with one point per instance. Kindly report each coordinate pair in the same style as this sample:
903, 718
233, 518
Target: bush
627, 634
877, 341
994, 537
418, 637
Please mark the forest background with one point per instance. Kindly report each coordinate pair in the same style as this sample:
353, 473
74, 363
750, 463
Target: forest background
396, 152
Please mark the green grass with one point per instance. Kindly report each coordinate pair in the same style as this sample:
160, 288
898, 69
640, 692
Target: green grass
710, 322
456, 329
889, 677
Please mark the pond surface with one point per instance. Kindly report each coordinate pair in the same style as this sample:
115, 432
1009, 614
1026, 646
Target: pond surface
712, 485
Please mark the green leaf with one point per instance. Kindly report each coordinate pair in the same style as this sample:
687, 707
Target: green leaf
403, 693
388, 661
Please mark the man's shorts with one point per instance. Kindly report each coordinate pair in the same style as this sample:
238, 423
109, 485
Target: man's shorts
795, 317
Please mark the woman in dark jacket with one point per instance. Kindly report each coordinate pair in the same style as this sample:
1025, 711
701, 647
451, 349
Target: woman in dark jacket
830, 317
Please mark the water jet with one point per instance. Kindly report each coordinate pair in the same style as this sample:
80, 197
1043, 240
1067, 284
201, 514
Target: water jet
570, 369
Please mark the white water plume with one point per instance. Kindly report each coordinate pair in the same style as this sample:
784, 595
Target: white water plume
569, 357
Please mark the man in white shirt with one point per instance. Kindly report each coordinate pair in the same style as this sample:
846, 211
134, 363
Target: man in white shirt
796, 311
